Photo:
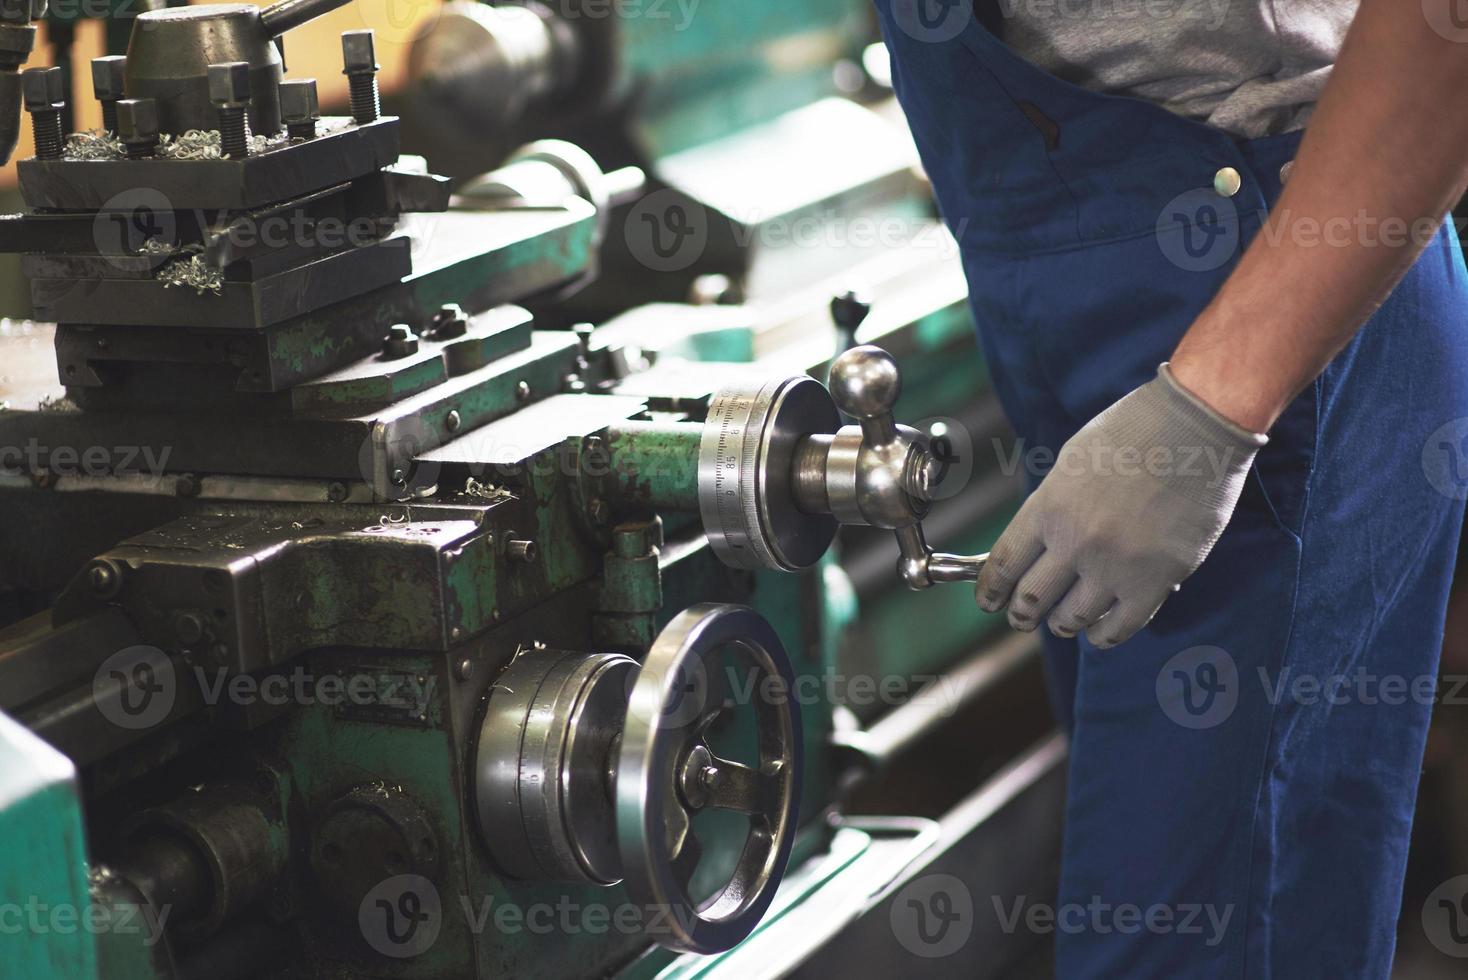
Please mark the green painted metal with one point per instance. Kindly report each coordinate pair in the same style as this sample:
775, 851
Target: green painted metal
704, 70
44, 899
486, 276
631, 585
654, 464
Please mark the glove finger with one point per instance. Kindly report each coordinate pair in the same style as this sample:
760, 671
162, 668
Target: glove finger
1015, 551
1124, 619
1039, 589
1084, 604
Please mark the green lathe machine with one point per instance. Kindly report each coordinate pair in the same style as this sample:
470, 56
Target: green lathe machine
491, 533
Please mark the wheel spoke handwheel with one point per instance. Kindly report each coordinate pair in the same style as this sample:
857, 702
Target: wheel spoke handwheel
591, 768
667, 773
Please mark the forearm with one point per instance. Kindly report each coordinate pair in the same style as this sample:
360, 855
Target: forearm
1385, 155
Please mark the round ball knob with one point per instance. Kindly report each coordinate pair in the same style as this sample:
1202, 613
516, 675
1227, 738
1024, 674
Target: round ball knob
865, 382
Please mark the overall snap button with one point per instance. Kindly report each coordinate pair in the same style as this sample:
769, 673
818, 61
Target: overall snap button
1227, 182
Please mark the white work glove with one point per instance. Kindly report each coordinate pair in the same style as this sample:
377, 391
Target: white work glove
1136, 500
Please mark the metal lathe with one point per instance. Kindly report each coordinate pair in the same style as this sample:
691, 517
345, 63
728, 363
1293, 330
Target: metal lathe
434, 533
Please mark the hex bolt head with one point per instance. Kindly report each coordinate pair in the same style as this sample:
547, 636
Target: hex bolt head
107, 77
43, 89
399, 342
229, 84
359, 52
137, 119
299, 108
450, 321
137, 126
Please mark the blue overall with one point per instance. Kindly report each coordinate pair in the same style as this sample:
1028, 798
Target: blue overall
1243, 771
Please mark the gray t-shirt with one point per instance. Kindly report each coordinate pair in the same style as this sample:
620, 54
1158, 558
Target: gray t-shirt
1250, 67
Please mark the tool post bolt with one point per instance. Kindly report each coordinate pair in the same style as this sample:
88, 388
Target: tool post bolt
229, 92
359, 58
43, 92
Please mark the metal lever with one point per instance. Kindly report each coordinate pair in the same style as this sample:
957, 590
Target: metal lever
886, 480
287, 15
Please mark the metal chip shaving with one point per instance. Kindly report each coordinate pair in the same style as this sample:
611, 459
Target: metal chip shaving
193, 272
94, 144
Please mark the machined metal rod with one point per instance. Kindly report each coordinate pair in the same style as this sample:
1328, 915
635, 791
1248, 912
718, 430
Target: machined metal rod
287, 15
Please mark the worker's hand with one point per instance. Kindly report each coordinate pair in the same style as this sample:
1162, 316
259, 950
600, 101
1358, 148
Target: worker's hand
1133, 505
